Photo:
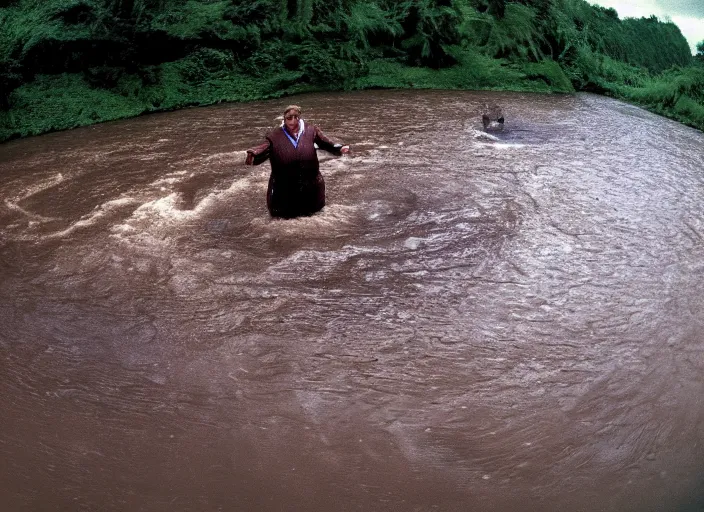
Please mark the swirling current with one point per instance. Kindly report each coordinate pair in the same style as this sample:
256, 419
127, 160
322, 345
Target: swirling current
475, 322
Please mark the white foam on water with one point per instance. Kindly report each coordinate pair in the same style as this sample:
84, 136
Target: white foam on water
316, 262
102, 154
169, 179
377, 209
152, 155
152, 223
413, 243
323, 224
227, 157
166, 209
38, 187
508, 145
131, 236
35, 217
432, 240
93, 217
501, 146
480, 135
442, 218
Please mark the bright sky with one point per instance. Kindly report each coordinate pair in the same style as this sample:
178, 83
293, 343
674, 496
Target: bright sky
688, 15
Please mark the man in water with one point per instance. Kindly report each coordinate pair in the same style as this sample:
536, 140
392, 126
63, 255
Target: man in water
296, 186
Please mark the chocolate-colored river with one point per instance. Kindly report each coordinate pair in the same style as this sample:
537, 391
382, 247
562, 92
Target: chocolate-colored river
471, 324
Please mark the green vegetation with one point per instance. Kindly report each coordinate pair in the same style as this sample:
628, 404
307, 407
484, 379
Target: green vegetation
67, 63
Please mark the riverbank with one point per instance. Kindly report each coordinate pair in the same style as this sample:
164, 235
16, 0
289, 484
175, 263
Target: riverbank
65, 64
64, 101
676, 93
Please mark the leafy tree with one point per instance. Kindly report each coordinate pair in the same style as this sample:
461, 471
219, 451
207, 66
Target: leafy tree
429, 26
10, 79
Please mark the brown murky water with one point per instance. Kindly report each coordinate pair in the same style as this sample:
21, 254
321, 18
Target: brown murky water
471, 324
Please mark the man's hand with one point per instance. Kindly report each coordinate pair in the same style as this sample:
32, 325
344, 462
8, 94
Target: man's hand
250, 159
344, 150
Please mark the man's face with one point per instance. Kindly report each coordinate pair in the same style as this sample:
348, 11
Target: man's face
291, 121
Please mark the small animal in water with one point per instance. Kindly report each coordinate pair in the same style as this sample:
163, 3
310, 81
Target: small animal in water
493, 118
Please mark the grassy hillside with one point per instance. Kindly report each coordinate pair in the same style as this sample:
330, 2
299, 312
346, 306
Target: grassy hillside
68, 63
